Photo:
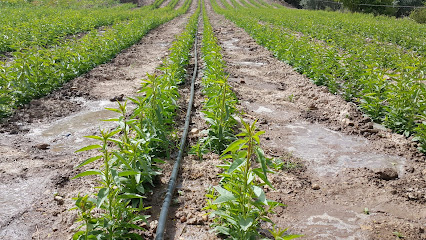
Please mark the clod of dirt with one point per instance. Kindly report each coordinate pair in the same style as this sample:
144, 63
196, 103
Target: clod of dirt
315, 186
387, 174
346, 122
183, 219
60, 200
60, 181
117, 98
192, 221
42, 146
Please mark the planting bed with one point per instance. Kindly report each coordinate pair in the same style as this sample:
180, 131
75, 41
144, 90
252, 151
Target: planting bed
344, 177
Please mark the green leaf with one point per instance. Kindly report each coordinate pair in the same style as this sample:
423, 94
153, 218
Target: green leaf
234, 146
102, 196
261, 157
128, 173
289, 237
90, 147
78, 234
245, 223
224, 195
89, 160
130, 195
260, 194
235, 164
121, 158
95, 137
114, 110
88, 173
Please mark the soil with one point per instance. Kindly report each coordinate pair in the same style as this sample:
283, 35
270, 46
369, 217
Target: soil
345, 177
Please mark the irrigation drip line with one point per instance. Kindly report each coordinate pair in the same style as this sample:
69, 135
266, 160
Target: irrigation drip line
159, 235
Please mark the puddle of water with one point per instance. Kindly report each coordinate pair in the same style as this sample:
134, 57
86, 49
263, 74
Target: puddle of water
69, 132
329, 152
17, 197
254, 64
329, 221
268, 111
230, 43
263, 109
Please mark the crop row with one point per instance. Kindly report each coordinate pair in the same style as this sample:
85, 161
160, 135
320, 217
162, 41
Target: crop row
395, 98
402, 32
129, 154
385, 55
44, 26
238, 204
36, 72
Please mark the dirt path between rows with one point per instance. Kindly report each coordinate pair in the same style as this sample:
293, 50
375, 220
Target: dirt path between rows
37, 144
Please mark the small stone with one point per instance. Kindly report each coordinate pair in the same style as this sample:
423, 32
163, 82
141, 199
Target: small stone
42, 146
205, 218
117, 98
192, 221
153, 225
409, 169
412, 196
195, 131
183, 219
315, 186
313, 107
387, 174
60, 200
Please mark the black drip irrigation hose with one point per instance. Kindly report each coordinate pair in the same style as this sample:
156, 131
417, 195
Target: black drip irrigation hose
159, 235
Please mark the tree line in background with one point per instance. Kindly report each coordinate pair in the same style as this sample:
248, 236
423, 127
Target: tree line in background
397, 8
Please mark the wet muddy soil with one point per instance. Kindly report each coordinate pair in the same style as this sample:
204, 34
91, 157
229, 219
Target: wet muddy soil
37, 143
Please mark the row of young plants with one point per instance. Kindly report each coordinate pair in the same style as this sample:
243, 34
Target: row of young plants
36, 72
44, 26
384, 54
130, 154
70, 4
238, 205
396, 99
403, 32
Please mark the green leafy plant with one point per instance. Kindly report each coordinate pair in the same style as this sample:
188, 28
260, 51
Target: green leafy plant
219, 107
38, 70
118, 217
239, 203
198, 150
280, 234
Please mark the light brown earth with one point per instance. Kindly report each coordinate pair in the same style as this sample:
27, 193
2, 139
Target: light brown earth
338, 162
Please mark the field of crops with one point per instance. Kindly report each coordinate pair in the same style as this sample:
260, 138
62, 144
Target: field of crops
246, 116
